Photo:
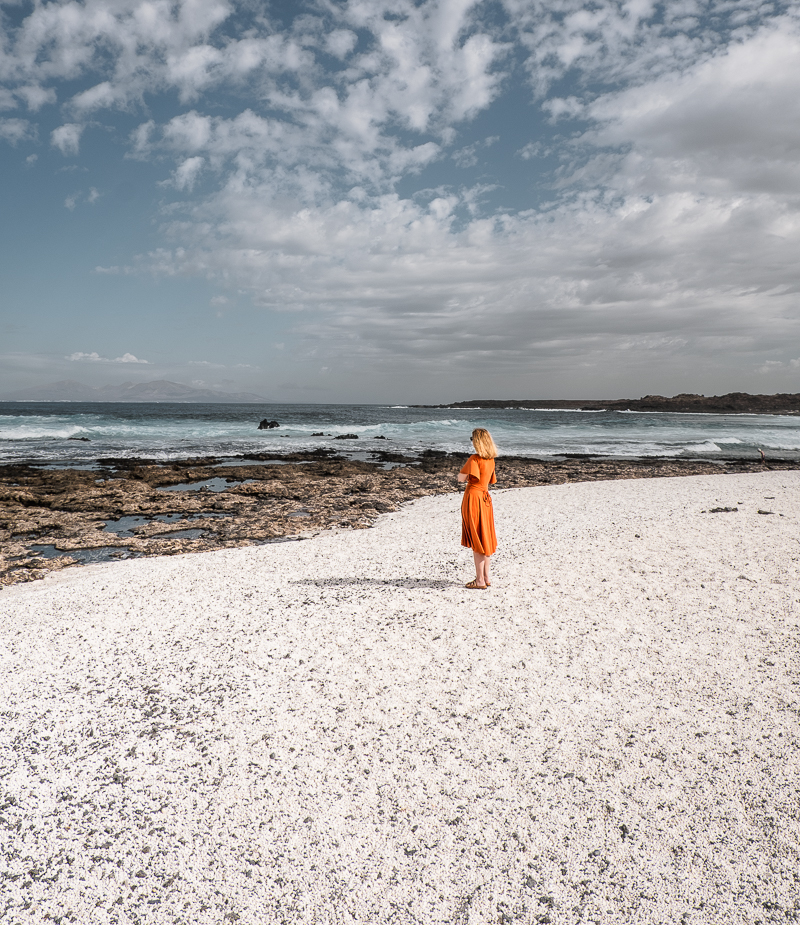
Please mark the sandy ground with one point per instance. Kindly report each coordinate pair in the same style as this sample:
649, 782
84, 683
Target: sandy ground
336, 731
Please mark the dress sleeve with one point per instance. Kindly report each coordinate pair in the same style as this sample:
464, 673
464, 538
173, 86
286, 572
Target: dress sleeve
471, 467
493, 479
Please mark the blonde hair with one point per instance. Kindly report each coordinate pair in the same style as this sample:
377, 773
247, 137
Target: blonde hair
483, 443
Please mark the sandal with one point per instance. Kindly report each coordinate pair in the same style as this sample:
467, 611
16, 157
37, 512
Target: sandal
473, 585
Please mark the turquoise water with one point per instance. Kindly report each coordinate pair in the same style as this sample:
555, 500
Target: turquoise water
78, 433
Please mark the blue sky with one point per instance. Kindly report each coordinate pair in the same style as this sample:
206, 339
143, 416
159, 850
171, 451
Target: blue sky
400, 201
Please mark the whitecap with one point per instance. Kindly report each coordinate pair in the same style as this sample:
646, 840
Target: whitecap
561, 410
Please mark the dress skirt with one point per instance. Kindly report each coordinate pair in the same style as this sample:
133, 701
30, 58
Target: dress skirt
477, 521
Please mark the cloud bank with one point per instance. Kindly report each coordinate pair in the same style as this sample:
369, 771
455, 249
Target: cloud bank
332, 164
95, 357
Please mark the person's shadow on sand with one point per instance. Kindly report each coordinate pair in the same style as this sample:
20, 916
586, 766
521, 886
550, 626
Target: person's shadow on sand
408, 583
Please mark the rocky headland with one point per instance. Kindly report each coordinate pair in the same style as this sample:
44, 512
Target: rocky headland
732, 403
52, 518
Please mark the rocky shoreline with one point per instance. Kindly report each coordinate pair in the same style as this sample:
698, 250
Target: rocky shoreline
54, 518
731, 403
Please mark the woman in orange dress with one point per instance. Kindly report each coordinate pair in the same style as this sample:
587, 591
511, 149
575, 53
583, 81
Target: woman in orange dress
477, 517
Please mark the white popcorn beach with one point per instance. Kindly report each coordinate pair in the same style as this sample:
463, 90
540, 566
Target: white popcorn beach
337, 731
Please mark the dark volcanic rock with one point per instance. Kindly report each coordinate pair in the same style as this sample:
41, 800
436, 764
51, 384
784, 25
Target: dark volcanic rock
268, 425
71, 509
346, 437
732, 403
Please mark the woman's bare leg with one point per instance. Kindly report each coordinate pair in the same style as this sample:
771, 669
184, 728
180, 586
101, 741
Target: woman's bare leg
481, 568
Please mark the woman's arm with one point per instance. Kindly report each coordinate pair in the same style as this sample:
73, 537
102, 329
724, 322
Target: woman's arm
463, 476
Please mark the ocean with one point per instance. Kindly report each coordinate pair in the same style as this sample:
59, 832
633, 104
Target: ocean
67, 434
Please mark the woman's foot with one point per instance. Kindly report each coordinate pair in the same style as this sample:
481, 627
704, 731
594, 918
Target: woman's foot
473, 585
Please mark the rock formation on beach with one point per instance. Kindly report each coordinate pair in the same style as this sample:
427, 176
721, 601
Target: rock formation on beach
732, 403
51, 518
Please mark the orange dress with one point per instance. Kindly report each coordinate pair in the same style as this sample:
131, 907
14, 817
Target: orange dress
477, 517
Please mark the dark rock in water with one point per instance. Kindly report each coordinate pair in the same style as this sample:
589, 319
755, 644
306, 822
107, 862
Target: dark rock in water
82, 439
268, 425
379, 437
346, 437
318, 434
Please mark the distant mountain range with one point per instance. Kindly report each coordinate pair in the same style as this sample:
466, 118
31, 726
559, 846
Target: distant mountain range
155, 391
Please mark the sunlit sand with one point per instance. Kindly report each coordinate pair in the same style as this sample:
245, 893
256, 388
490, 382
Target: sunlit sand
335, 730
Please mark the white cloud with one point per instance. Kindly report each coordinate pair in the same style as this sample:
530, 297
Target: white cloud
104, 95
35, 96
188, 132
468, 156
140, 139
673, 222
303, 158
67, 138
630, 41
16, 130
137, 48
341, 42
673, 238
95, 357
730, 126
86, 358
570, 107
187, 172
74, 198
425, 66
770, 366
